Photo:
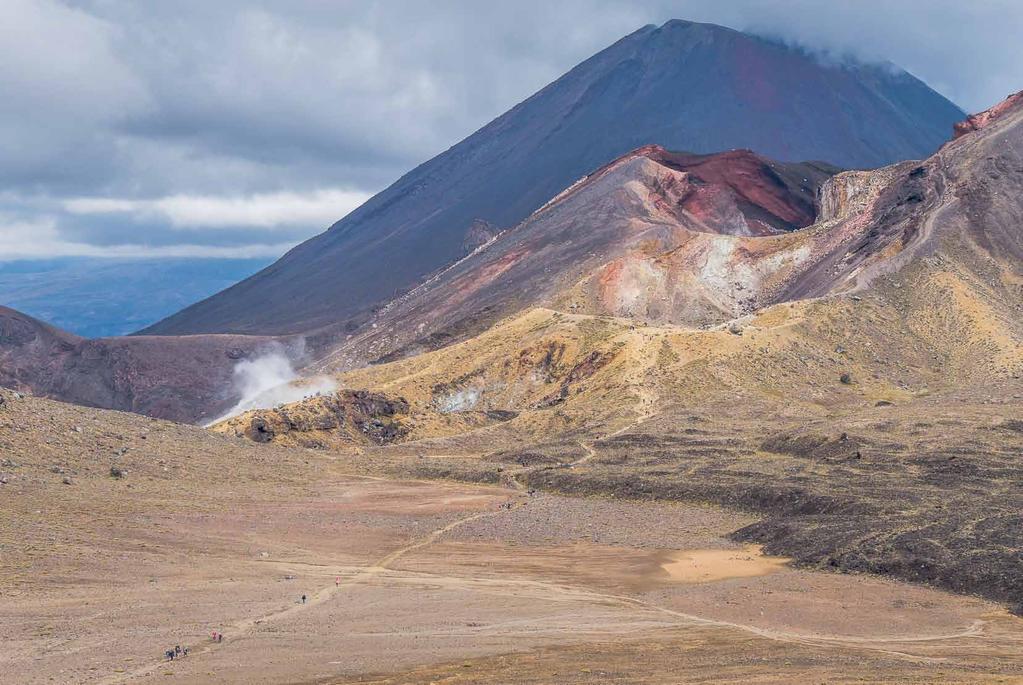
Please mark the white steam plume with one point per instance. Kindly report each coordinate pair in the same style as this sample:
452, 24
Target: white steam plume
270, 379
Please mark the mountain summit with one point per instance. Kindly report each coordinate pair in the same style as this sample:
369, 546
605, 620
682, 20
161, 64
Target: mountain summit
684, 86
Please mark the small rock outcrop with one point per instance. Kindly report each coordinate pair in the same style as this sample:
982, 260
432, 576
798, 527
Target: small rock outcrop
345, 417
975, 122
479, 234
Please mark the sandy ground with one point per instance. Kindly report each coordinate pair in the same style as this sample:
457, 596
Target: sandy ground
410, 581
438, 582
709, 565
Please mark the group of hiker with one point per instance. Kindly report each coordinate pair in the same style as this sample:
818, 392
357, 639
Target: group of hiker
176, 653
180, 652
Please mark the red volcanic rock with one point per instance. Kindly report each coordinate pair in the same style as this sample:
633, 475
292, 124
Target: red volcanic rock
696, 240
772, 197
732, 193
975, 122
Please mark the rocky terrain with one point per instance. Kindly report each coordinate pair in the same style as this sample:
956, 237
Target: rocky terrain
642, 239
343, 418
606, 245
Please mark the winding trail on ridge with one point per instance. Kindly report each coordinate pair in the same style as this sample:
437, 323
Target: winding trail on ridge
647, 401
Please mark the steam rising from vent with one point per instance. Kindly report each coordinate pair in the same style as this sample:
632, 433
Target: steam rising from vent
269, 379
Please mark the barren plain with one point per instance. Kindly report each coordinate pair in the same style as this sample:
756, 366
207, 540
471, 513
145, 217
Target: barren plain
124, 536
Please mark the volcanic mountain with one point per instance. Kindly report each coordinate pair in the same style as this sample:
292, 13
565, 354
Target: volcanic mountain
683, 86
685, 240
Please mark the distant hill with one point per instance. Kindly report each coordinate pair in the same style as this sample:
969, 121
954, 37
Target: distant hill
96, 298
182, 378
684, 86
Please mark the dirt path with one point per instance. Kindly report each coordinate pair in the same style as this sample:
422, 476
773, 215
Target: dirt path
581, 593
325, 594
644, 410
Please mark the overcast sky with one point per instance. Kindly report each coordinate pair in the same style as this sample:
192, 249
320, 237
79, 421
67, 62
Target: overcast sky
228, 128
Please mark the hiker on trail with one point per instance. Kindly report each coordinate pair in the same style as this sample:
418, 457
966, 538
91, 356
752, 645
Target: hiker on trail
184, 652
303, 599
169, 654
220, 637
337, 582
177, 650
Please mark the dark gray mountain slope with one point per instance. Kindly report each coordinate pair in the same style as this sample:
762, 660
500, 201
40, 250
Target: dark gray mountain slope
683, 85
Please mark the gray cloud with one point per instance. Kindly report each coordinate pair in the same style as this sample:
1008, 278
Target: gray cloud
172, 110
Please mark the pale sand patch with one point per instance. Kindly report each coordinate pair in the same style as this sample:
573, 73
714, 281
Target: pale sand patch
707, 565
